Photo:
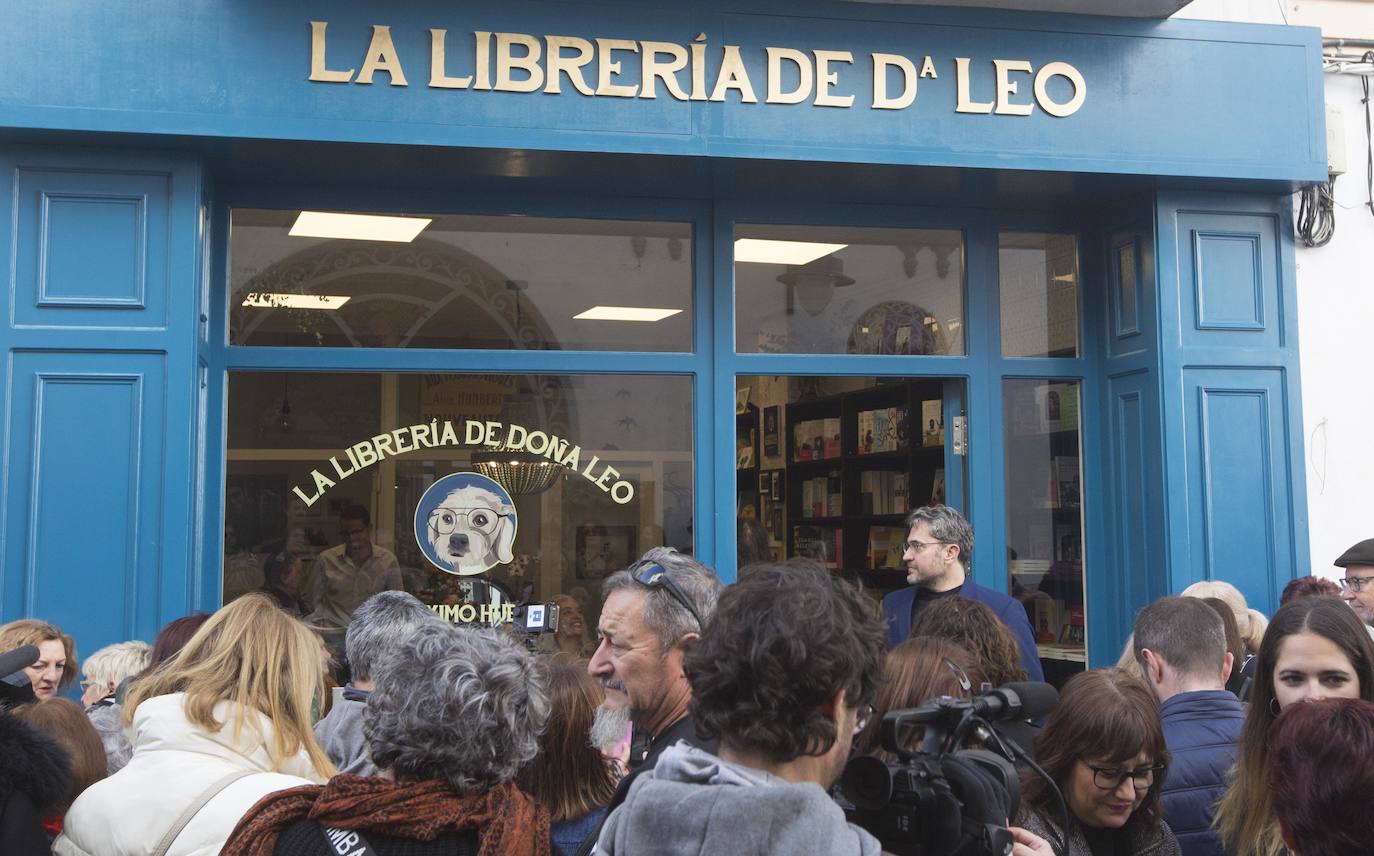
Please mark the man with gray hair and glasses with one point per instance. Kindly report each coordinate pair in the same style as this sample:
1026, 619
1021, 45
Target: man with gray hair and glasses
938, 548
654, 613
380, 626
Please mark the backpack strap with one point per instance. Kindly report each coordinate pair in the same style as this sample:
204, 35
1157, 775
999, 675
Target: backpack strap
191, 810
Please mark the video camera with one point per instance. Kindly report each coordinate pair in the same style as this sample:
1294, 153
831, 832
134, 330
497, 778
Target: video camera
957, 793
532, 619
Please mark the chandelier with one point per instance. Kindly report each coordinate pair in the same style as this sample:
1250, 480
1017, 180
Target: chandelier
518, 472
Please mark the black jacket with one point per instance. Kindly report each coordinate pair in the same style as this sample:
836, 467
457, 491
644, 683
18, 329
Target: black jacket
35, 776
306, 838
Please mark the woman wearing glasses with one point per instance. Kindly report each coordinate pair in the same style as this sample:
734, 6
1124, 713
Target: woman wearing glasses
1315, 648
1104, 749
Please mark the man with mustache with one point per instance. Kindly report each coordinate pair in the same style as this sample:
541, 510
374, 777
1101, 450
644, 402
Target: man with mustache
653, 615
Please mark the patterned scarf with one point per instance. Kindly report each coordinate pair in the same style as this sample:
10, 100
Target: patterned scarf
508, 822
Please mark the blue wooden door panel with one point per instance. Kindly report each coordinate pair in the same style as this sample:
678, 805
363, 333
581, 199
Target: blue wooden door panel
84, 499
1239, 503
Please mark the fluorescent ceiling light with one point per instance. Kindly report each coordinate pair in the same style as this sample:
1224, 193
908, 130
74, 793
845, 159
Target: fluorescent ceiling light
1064, 277
782, 252
358, 227
625, 313
269, 300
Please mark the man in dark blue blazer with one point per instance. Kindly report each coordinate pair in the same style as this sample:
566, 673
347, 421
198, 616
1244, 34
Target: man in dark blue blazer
938, 548
1181, 647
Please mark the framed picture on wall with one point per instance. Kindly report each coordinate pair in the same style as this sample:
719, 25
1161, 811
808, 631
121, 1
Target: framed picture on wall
602, 550
770, 430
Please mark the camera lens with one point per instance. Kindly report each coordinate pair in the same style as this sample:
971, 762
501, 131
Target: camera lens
867, 783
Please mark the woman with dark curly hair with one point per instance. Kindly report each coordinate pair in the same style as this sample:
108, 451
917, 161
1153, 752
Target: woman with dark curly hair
454, 714
1321, 769
1104, 748
977, 629
921, 668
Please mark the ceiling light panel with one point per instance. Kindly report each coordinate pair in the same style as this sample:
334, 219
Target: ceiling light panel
358, 227
759, 251
271, 300
625, 313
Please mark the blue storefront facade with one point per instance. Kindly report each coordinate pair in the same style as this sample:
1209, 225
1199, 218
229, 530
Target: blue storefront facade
153, 157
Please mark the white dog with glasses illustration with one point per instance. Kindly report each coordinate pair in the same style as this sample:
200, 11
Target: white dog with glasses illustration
472, 530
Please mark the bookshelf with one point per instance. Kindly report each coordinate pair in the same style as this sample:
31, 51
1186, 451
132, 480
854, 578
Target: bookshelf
748, 501
856, 463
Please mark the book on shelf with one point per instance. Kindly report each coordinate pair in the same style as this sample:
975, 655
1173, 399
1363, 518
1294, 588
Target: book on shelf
886, 545
865, 432
1071, 630
932, 423
831, 428
822, 543
937, 487
1067, 489
1048, 616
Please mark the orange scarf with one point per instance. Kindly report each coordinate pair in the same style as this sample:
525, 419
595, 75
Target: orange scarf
508, 821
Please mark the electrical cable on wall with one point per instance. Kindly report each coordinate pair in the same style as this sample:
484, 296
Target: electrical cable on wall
1368, 59
1317, 213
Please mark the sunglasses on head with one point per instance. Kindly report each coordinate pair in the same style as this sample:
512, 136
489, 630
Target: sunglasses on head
653, 575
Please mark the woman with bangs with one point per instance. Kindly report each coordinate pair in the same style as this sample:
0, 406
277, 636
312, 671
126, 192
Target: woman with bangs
1104, 748
214, 729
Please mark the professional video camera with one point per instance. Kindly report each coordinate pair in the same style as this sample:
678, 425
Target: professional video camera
956, 795
532, 619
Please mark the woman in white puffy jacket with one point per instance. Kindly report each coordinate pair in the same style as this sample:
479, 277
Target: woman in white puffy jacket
214, 729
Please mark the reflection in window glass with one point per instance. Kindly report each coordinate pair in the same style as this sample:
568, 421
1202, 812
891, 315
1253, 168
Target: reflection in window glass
1038, 276
328, 497
827, 468
461, 282
811, 290
1044, 478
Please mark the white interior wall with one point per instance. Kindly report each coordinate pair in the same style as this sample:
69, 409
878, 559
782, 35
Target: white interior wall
1335, 304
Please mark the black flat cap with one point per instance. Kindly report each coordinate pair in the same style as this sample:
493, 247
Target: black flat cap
1361, 554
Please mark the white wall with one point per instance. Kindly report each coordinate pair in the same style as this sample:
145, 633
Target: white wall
1335, 307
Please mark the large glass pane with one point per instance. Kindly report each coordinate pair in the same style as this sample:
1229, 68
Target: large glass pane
831, 290
1038, 275
828, 468
473, 488
1044, 479
460, 282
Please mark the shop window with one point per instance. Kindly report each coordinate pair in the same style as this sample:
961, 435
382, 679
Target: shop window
1044, 490
459, 282
811, 290
1038, 278
589, 471
827, 468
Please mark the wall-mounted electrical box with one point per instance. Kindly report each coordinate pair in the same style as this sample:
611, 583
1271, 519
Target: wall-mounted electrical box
1335, 140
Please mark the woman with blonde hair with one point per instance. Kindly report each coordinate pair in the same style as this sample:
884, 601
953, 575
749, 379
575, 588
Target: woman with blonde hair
56, 665
217, 727
1250, 622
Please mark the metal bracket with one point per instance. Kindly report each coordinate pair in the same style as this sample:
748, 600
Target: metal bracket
961, 435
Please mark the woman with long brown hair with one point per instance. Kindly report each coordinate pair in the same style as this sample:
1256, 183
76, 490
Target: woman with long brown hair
570, 777
921, 668
64, 721
1314, 648
1104, 748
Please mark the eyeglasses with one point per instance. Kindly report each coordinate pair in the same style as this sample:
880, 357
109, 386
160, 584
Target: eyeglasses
1110, 778
1355, 583
483, 520
915, 546
861, 721
653, 575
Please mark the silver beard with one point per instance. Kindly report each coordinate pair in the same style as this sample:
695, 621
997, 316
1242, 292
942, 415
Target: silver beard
609, 726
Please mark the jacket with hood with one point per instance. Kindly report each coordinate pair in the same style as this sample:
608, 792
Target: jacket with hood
692, 803
174, 763
35, 775
341, 735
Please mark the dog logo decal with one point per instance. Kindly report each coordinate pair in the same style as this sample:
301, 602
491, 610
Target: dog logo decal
465, 524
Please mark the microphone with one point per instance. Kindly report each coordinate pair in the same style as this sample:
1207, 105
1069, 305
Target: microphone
20, 658
1017, 700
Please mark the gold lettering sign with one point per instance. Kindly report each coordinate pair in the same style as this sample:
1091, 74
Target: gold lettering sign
596, 68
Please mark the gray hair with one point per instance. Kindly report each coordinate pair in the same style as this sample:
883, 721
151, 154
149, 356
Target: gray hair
947, 526
458, 704
384, 621
113, 663
1186, 633
662, 613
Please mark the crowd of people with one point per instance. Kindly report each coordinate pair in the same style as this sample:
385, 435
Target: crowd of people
706, 719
